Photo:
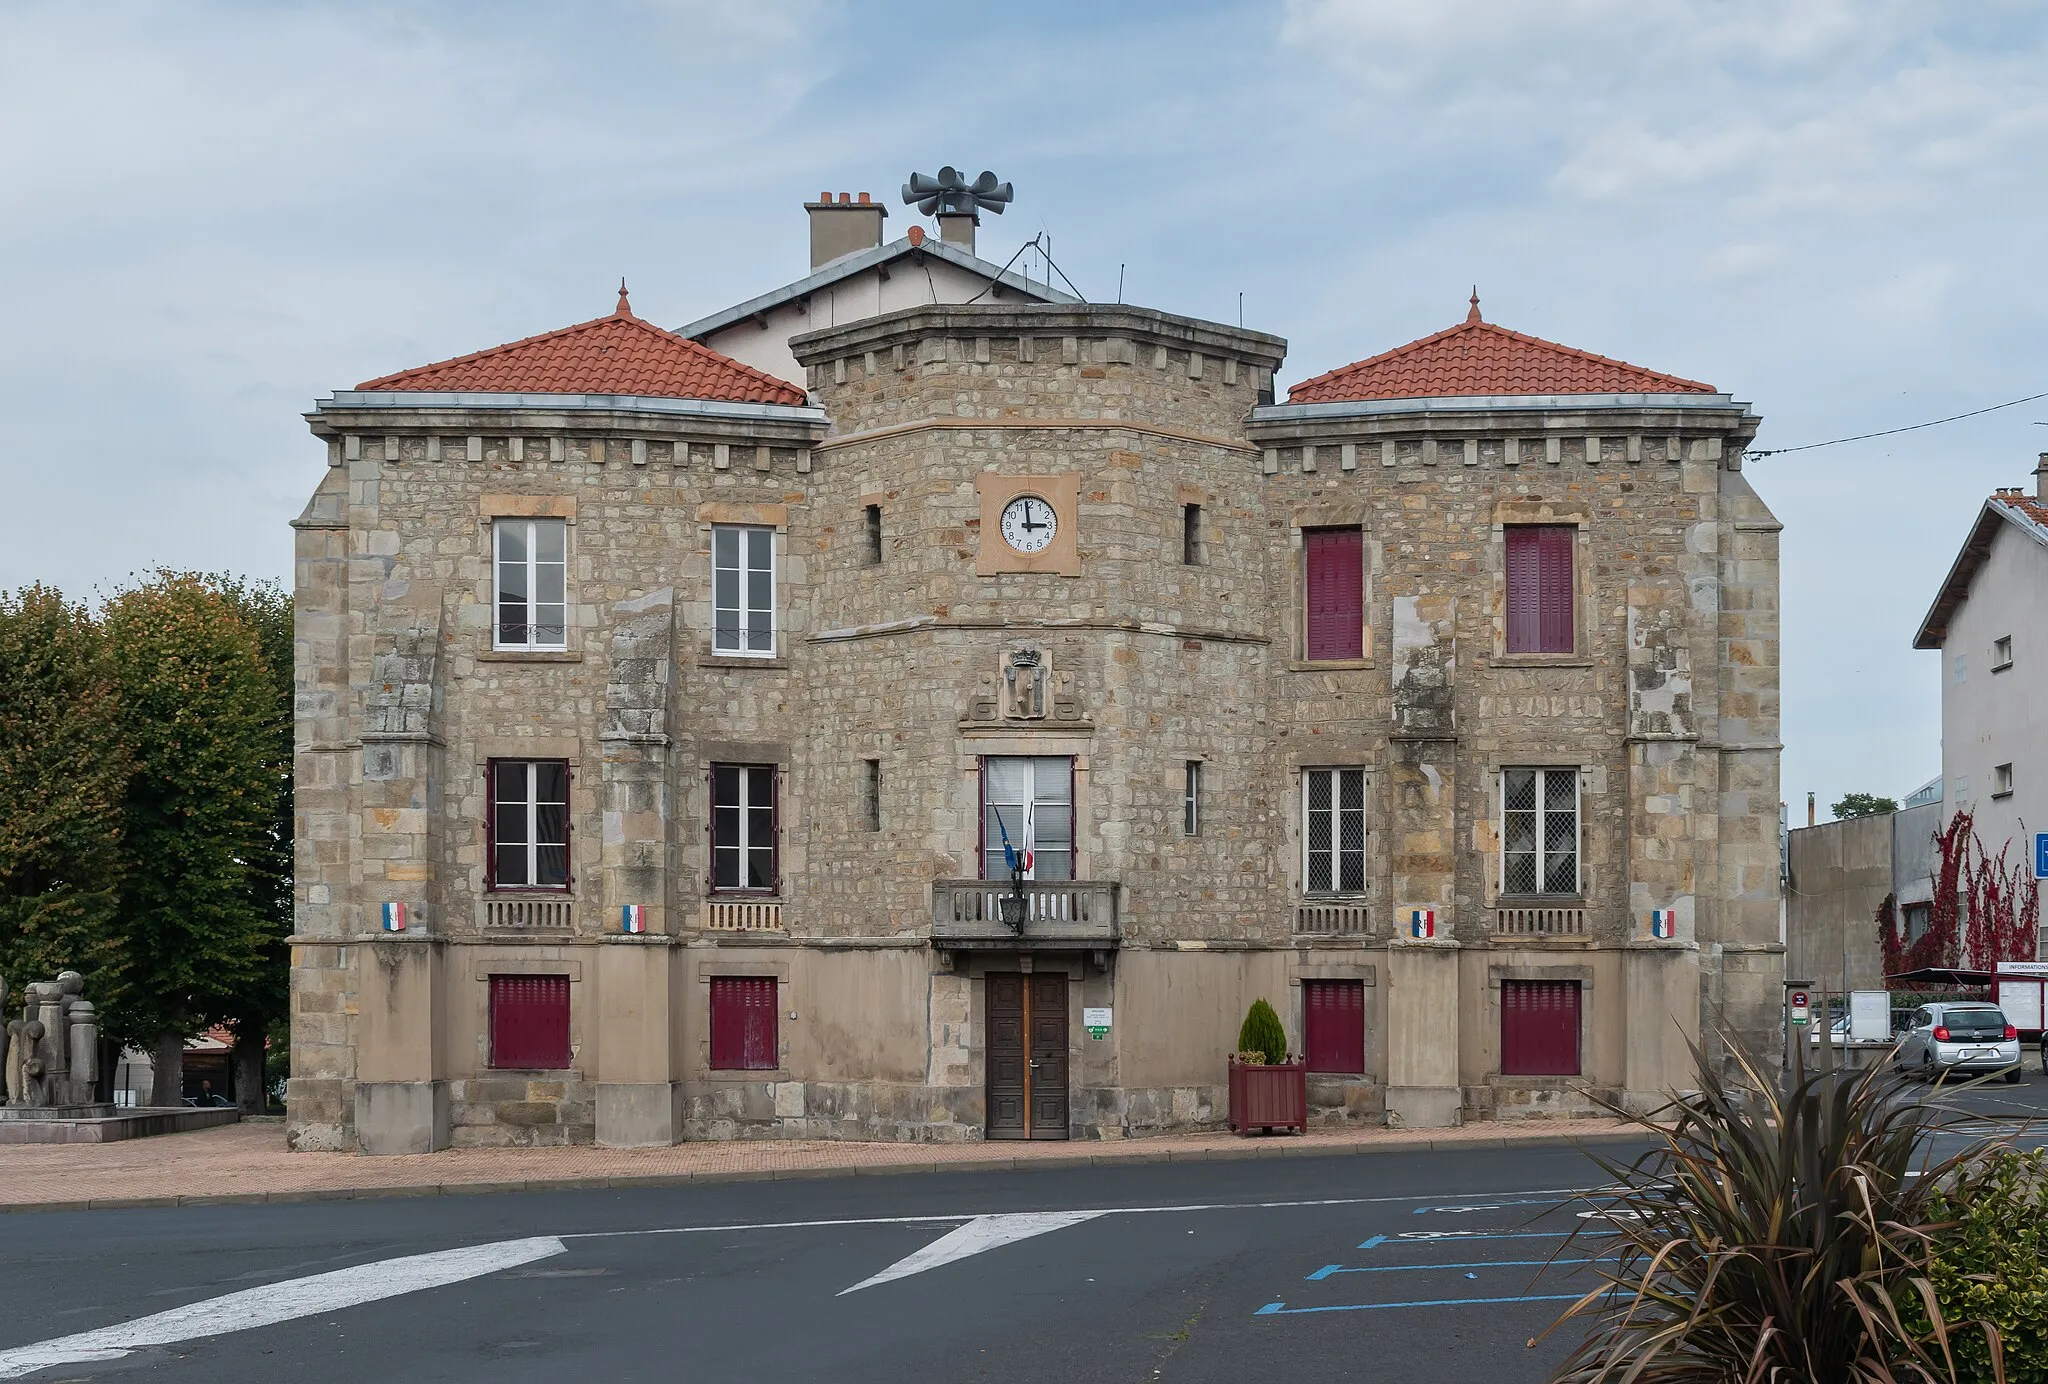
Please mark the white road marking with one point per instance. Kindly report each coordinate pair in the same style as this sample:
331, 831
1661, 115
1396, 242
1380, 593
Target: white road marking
980, 1234
943, 1218
279, 1302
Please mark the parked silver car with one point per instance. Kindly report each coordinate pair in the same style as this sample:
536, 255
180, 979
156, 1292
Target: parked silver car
1961, 1037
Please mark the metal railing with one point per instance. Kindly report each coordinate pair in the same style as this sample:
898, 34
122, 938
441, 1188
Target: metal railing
1331, 919
527, 913
1539, 920
743, 915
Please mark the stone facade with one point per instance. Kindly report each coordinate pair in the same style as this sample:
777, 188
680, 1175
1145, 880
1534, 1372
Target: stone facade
899, 677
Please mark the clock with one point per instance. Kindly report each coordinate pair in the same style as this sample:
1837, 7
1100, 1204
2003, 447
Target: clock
1028, 524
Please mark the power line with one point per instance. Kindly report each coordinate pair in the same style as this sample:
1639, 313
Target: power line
1889, 432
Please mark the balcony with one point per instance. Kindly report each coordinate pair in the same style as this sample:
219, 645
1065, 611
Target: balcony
742, 915
1077, 915
1332, 918
526, 913
1561, 921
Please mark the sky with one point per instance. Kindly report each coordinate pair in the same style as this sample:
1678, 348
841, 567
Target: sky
212, 214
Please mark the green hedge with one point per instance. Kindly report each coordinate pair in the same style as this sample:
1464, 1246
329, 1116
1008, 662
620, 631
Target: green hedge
1990, 1264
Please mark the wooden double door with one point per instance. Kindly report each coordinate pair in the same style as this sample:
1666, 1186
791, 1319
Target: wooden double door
1027, 1055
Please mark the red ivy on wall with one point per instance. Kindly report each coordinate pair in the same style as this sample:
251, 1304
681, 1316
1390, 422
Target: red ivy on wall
1984, 910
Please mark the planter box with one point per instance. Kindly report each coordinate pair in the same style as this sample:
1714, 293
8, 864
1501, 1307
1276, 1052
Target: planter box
1263, 1097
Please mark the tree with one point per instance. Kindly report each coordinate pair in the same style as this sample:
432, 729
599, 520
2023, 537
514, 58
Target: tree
1862, 805
196, 708
265, 1003
63, 773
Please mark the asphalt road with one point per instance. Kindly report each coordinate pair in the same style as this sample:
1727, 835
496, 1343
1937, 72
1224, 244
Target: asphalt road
1382, 1266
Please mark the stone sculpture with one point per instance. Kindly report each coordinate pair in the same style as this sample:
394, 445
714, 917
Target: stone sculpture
52, 1050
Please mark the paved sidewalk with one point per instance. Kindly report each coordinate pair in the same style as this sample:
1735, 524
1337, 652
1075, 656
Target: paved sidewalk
249, 1163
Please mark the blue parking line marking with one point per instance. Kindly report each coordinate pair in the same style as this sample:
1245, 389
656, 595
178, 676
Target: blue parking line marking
1438, 1236
1281, 1309
1328, 1269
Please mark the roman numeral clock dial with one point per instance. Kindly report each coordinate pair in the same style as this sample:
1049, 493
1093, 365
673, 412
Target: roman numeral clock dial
1029, 524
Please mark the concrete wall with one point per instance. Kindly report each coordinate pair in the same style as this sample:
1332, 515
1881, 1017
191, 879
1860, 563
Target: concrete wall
1841, 872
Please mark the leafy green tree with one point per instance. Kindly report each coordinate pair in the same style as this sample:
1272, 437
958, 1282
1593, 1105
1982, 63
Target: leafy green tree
1862, 805
264, 1005
63, 773
1262, 1033
197, 712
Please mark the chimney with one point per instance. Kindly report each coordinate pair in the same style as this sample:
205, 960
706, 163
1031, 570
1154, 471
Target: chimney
2041, 478
844, 226
957, 228
1809, 809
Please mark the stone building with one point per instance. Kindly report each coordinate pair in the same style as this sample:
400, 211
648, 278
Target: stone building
668, 732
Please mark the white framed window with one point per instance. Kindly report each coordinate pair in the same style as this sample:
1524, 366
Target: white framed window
745, 842
1191, 800
530, 559
1333, 831
743, 591
1027, 805
529, 823
2001, 781
2001, 653
1539, 840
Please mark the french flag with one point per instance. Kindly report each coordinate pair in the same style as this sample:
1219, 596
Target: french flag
633, 917
394, 917
1422, 923
1663, 923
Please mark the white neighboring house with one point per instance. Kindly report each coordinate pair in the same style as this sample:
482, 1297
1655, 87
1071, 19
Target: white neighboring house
1990, 621
854, 275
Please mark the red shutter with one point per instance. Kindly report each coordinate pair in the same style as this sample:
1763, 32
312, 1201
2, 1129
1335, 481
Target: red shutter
1554, 585
1335, 559
1334, 1025
530, 1022
1525, 629
1539, 1028
743, 1035
1539, 560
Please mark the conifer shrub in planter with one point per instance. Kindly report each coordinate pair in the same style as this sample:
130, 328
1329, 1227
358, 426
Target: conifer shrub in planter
1267, 1090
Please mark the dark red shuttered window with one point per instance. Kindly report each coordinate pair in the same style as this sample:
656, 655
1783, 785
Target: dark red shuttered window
1539, 1028
1540, 588
530, 1022
1334, 1025
1335, 562
743, 1024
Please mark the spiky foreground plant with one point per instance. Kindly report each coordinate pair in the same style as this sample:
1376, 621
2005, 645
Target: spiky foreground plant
1768, 1238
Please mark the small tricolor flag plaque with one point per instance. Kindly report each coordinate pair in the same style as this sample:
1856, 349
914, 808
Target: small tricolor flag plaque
633, 917
1663, 924
1422, 923
394, 917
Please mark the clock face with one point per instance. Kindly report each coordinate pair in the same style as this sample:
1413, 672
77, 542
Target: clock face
1029, 524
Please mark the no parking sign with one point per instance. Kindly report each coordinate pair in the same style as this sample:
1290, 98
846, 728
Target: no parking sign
1799, 1006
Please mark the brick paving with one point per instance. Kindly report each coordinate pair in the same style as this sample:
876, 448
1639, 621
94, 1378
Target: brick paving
249, 1162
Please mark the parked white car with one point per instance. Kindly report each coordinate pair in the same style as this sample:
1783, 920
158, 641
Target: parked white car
1963, 1037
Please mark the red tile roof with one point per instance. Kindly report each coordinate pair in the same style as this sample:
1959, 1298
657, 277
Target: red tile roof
619, 354
2032, 507
1475, 358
